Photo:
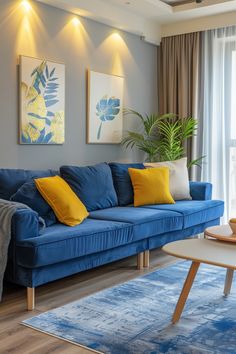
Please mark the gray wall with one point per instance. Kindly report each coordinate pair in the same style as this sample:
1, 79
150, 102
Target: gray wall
47, 32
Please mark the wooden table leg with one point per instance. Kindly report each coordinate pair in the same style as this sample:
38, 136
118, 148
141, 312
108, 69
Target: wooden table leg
228, 281
185, 291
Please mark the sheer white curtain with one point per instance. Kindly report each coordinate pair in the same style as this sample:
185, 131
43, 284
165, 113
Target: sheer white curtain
219, 114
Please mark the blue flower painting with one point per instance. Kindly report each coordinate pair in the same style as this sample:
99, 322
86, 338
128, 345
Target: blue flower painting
105, 108
42, 102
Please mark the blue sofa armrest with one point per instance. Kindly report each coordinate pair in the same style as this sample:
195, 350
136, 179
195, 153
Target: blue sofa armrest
201, 190
24, 224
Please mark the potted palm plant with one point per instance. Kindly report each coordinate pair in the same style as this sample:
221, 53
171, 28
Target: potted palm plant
163, 136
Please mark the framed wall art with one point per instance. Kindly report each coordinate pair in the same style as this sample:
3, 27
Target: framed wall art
42, 101
104, 108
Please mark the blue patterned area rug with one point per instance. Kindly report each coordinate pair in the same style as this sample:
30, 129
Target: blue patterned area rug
135, 317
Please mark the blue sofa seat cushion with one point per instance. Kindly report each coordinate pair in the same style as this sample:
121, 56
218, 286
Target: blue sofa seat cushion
194, 212
59, 242
146, 222
12, 179
122, 181
92, 184
29, 195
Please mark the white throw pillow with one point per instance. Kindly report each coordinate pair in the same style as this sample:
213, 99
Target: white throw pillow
179, 179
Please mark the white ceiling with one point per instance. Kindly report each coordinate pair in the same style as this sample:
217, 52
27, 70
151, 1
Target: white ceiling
143, 17
176, 2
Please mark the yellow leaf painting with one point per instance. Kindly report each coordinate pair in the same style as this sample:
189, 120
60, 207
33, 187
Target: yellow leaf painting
42, 120
57, 127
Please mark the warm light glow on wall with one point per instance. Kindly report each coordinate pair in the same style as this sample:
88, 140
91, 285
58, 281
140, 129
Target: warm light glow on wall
28, 25
120, 53
116, 36
76, 21
75, 32
26, 5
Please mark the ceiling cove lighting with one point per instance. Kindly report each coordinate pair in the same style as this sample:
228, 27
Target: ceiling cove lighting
26, 5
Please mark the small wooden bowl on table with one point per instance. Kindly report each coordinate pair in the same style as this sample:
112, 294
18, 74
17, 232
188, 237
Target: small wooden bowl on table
226, 233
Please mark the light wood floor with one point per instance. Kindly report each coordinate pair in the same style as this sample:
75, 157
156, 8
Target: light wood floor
18, 339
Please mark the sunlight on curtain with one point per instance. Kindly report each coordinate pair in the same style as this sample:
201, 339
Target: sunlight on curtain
232, 192
219, 115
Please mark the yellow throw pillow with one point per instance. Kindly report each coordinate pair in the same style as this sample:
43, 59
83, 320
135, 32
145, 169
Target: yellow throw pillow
66, 205
151, 186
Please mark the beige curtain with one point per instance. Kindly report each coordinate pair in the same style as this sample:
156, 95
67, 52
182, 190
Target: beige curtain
178, 86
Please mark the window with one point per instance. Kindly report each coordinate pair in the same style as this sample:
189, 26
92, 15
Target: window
219, 115
232, 208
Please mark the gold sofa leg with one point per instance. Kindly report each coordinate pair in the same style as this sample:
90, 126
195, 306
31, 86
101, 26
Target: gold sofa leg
140, 259
30, 299
146, 259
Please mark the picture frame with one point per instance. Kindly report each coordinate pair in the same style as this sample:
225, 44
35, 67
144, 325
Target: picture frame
41, 101
104, 108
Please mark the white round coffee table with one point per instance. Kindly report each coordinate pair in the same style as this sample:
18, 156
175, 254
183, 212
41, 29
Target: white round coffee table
214, 252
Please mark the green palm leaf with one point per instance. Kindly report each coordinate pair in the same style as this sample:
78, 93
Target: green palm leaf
189, 127
163, 136
127, 111
196, 162
132, 139
151, 122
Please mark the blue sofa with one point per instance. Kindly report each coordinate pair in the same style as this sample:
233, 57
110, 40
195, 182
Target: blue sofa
38, 256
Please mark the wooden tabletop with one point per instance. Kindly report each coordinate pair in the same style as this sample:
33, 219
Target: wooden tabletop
221, 232
213, 252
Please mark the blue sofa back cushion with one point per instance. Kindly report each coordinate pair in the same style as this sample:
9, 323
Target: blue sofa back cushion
29, 195
12, 179
122, 181
92, 184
